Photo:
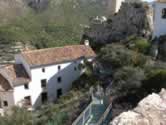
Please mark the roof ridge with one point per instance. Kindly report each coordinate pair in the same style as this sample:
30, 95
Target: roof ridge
39, 50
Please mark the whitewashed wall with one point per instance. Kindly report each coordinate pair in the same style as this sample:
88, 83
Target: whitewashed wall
67, 73
7, 96
20, 92
159, 22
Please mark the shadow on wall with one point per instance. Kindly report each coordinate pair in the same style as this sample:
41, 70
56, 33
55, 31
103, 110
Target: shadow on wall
59, 84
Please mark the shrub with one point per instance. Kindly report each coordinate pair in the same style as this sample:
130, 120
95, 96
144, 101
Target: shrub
156, 79
140, 44
127, 79
116, 56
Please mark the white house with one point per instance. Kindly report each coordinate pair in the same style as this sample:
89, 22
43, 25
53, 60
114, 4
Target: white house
159, 18
42, 75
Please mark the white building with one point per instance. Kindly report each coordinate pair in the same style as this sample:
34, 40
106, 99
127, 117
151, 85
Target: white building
159, 18
42, 75
114, 6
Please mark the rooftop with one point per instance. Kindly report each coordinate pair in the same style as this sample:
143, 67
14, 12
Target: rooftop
57, 55
16, 74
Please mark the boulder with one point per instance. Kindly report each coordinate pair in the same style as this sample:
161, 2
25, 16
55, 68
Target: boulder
150, 111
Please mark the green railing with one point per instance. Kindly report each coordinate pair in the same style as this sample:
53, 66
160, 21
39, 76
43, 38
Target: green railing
104, 116
84, 116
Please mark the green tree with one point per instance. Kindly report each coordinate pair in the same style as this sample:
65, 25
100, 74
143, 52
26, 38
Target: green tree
116, 56
127, 79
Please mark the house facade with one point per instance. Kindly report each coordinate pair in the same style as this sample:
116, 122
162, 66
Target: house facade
41, 76
159, 18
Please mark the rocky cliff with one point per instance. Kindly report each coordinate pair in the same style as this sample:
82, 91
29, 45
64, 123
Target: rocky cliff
132, 19
150, 111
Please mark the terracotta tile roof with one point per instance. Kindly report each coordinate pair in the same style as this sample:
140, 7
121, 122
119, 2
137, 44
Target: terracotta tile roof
4, 84
16, 74
57, 55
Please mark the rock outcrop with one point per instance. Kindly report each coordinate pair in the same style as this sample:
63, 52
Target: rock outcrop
132, 19
150, 111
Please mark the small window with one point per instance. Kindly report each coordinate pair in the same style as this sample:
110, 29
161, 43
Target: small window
26, 86
43, 69
59, 79
164, 13
75, 68
59, 68
27, 100
43, 83
5, 103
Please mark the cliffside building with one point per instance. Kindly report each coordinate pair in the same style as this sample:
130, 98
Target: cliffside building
159, 18
41, 76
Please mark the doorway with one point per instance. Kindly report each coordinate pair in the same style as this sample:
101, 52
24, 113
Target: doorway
44, 97
59, 93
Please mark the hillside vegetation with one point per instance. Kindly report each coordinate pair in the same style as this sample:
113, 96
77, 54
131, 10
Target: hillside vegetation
56, 25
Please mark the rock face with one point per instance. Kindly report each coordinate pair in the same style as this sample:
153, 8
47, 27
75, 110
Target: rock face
37, 4
132, 19
150, 111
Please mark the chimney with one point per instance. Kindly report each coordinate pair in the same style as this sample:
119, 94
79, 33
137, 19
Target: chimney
86, 42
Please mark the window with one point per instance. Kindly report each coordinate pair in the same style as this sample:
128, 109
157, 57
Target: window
43, 83
28, 100
26, 86
5, 103
164, 13
59, 68
43, 69
75, 68
59, 79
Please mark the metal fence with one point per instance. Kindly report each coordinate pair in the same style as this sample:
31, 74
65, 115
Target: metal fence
104, 116
84, 116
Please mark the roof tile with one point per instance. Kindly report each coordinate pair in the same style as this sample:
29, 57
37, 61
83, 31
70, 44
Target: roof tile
57, 55
16, 74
